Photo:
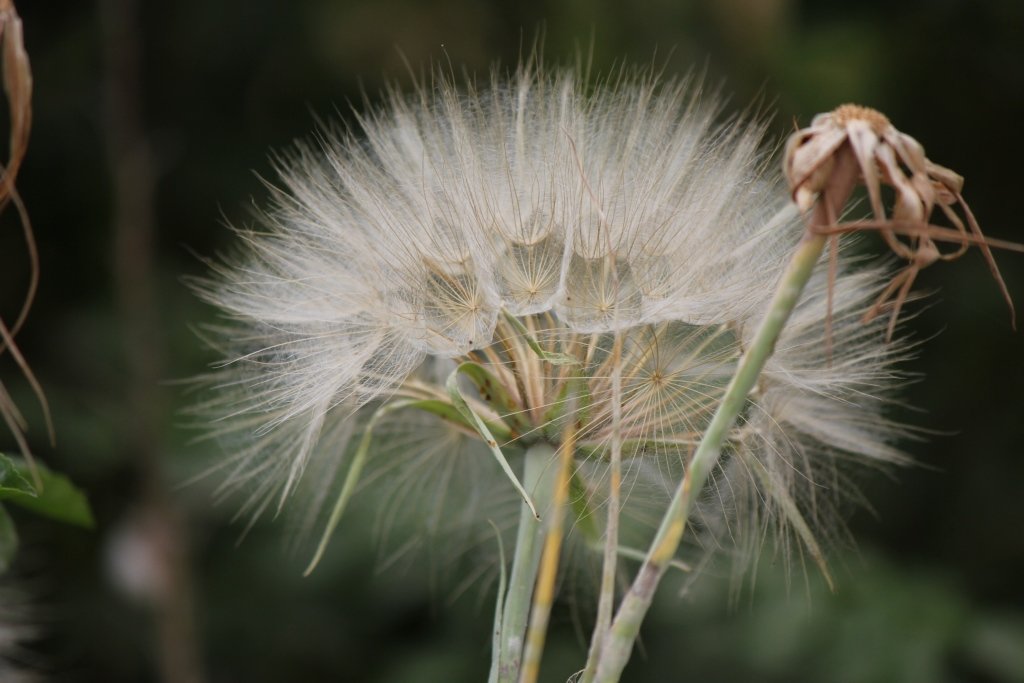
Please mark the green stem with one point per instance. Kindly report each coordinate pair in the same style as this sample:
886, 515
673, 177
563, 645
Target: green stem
554, 534
539, 474
609, 567
619, 642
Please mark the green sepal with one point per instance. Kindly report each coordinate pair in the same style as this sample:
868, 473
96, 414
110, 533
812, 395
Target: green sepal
443, 409
355, 470
484, 431
531, 341
449, 412
56, 497
494, 394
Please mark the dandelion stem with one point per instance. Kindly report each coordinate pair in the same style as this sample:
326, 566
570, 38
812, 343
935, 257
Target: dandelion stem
606, 602
539, 473
626, 626
544, 593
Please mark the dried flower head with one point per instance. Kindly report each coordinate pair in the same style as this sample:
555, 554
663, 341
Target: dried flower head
865, 141
538, 263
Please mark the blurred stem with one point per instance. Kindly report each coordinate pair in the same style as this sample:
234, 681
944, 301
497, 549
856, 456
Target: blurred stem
538, 479
134, 173
618, 644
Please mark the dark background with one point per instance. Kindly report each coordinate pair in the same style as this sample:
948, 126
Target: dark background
150, 118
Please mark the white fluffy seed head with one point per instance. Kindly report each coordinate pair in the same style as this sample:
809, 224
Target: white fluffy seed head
622, 210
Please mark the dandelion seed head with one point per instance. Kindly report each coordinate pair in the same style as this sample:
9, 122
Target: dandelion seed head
625, 227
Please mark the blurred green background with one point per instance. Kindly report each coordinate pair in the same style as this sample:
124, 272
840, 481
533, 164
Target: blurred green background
150, 118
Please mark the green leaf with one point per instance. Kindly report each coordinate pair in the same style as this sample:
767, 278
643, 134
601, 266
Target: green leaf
11, 480
8, 540
56, 498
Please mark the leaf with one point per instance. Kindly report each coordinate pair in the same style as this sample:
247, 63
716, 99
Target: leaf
12, 481
8, 540
56, 497
481, 427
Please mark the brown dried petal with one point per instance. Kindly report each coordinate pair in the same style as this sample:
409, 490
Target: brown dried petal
951, 180
927, 189
865, 142
908, 150
809, 162
910, 204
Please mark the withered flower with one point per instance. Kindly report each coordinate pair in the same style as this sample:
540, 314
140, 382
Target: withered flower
818, 160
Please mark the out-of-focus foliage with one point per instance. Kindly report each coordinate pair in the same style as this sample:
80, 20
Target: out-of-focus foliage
42, 491
222, 84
